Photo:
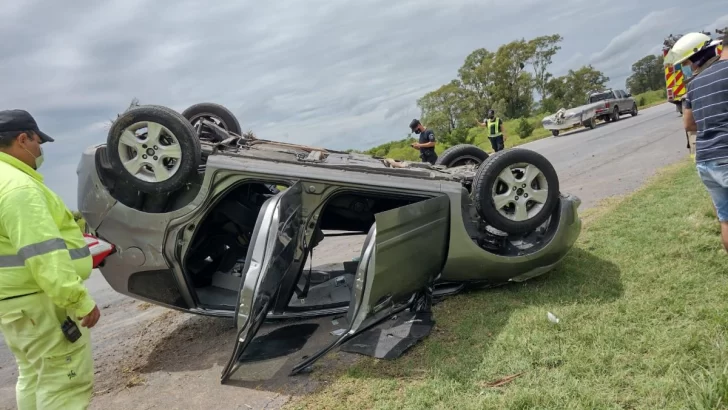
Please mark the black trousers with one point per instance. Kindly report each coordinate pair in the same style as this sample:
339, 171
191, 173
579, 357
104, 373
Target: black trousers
428, 156
497, 143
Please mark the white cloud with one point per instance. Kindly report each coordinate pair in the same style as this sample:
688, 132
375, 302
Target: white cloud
720, 23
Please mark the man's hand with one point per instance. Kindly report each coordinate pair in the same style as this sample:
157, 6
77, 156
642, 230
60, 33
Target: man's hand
90, 320
689, 120
416, 145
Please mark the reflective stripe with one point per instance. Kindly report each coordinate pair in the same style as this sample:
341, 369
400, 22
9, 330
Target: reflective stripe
79, 253
27, 252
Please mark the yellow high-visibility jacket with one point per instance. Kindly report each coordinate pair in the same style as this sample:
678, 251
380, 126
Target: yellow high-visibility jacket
42, 249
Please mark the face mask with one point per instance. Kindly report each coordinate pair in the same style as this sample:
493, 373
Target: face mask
39, 159
417, 131
687, 71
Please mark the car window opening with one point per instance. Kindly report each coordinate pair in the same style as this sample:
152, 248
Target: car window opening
214, 262
327, 278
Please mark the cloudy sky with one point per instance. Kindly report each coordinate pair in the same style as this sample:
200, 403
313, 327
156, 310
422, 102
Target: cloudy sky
335, 73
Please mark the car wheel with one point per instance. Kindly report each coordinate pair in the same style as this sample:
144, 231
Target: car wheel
461, 154
216, 113
154, 149
555, 133
516, 190
634, 110
590, 123
615, 114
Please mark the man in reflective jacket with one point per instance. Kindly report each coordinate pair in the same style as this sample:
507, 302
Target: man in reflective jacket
43, 263
496, 135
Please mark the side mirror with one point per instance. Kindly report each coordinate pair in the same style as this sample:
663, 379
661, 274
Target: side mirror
629, 94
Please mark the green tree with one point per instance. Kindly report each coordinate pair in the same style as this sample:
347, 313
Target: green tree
525, 129
545, 48
512, 83
556, 90
477, 78
442, 109
578, 84
647, 75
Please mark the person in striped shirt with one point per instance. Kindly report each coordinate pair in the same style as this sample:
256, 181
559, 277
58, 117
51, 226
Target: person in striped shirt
705, 111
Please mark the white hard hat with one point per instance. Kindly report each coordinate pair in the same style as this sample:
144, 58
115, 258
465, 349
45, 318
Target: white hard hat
686, 46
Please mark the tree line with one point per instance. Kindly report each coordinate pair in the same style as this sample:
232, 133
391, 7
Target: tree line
508, 80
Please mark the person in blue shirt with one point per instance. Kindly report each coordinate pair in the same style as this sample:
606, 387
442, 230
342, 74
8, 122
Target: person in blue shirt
705, 112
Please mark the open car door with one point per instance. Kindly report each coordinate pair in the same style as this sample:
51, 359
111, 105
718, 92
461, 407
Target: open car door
274, 243
404, 251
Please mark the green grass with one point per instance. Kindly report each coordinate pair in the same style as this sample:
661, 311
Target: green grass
402, 151
650, 98
643, 302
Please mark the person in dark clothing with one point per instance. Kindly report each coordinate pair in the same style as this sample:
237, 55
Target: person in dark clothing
426, 143
495, 131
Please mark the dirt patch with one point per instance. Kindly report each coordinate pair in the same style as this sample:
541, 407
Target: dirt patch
144, 306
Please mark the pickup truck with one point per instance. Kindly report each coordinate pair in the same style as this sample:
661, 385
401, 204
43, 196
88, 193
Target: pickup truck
616, 103
605, 105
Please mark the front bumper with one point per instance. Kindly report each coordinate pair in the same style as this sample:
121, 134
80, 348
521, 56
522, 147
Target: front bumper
467, 262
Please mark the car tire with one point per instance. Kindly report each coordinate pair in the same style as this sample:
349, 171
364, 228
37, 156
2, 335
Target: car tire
634, 111
679, 108
461, 154
177, 143
516, 214
555, 133
615, 114
214, 112
591, 123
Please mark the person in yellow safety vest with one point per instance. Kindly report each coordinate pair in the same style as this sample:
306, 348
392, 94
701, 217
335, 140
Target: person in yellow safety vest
496, 135
43, 263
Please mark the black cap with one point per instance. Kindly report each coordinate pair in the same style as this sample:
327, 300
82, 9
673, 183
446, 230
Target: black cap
21, 120
414, 124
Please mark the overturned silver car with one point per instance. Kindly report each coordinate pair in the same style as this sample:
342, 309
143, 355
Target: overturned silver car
209, 220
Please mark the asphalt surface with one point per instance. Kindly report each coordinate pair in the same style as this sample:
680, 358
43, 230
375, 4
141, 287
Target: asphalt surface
150, 357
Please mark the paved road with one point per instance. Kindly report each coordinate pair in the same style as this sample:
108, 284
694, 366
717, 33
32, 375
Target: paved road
615, 158
150, 357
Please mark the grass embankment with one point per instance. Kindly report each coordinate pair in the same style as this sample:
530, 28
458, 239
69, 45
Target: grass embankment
643, 302
651, 98
401, 149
